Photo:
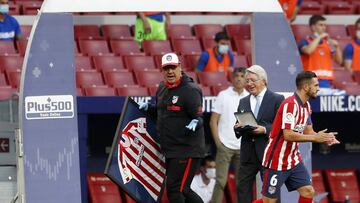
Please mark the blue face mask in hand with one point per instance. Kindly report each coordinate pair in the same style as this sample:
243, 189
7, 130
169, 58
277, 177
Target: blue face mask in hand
223, 49
4, 8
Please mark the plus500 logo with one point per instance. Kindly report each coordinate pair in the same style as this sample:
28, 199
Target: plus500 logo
49, 107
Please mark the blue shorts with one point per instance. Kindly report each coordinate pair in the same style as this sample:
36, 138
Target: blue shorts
294, 179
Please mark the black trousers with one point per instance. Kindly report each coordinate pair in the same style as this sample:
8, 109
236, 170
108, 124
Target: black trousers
247, 174
179, 175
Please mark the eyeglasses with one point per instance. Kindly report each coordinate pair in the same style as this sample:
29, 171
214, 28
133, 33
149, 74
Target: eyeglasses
248, 81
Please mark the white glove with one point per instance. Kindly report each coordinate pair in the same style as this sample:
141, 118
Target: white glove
192, 125
143, 106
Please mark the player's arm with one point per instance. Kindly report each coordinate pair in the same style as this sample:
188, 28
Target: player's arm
214, 120
147, 28
348, 56
320, 137
309, 130
337, 56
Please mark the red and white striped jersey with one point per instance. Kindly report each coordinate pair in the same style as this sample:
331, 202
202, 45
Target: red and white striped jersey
293, 115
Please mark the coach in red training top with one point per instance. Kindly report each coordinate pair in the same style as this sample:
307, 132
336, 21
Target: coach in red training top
292, 124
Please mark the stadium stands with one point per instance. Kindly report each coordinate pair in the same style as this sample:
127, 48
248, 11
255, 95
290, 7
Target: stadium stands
342, 183
319, 185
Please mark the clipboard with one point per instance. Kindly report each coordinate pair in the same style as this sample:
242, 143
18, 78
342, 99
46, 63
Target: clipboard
246, 119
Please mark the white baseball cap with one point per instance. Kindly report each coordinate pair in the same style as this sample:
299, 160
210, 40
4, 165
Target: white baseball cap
258, 70
170, 59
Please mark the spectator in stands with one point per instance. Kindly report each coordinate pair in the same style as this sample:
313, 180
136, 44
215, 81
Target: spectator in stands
290, 8
218, 58
282, 160
151, 26
263, 103
318, 50
221, 124
352, 51
203, 183
9, 26
179, 125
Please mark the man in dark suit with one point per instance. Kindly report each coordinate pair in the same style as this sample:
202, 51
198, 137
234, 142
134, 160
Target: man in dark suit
264, 104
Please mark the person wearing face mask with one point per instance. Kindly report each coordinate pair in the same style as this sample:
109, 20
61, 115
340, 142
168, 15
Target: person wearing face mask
352, 51
9, 26
264, 104
203, 183
218, 58
318, 51
179, 125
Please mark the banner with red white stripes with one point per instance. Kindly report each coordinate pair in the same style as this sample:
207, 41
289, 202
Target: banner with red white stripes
136, 163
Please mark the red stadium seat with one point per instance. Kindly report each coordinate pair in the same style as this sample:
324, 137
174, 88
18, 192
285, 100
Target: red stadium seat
148, 78
25, 30
119, 79
241, 31
312, 8
83, 63
87, 79
230, 188
212, 78
14, 78
351, 30
94, 47
342, 183
179, 31
21, 46
79, 92
342, 77
139, 63
116, 31
356, 76
240, 61
192, 75
31, 9
301, 31
154, 47
3, 81
343, 43
132, 91
87, 32
337, 31
218, 88
352, 88
187, 46
206, 91
318, 183
152, 90
207, 30
102, 189
207, 43
108, 63
14, 9
100, 91
6, 92
125, 47
11, 63
243, 47
191, 62
339, 8
7, 48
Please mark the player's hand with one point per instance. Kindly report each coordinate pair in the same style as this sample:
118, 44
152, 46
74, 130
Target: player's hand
192, 125
259, 130
143, 106
323, 136
324, 35
334, 43
332, 142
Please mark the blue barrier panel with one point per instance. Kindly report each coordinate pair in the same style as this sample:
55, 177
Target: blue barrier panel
48, 120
